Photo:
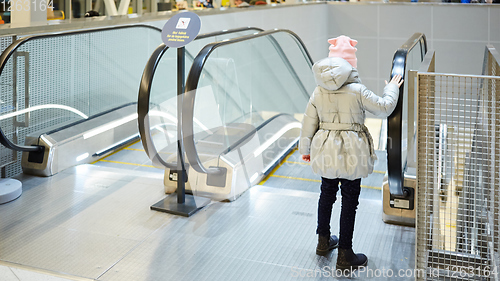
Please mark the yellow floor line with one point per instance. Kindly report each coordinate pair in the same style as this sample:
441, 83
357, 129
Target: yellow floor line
116, 151
371, 187
301, 163
126, 163
271, 174
294, 178
142, 150
306, 163
134, 149
278, 166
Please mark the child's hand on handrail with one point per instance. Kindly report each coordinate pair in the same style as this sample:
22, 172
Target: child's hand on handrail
396, 80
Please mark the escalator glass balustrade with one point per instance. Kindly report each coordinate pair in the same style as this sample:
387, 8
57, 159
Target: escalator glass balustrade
53, 84
71, 98
241, 112
157, 103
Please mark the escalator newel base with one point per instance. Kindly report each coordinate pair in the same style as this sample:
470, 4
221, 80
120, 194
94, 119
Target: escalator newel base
406, 202
36, 156
170, 205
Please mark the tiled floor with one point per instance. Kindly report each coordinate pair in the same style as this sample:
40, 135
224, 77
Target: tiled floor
93, 222
17, 274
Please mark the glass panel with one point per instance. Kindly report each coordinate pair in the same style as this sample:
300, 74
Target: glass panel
67, 78
195, 46
299, 62
250, 91
163, 97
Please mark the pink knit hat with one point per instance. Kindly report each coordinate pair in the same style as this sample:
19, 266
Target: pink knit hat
343, 47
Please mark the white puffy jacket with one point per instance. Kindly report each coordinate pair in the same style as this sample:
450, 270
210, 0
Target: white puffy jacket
333, 130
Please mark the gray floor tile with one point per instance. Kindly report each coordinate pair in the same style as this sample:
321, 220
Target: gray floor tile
94, 221
7, 274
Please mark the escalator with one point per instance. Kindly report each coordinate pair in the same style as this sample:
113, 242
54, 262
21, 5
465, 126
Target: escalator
51, 83
244, 101
160, 79
80, 111
241, 113
394, 174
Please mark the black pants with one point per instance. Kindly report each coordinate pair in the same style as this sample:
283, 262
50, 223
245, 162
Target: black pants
350, 190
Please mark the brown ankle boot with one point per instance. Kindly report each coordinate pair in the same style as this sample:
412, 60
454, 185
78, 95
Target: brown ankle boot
326, 244
347, 259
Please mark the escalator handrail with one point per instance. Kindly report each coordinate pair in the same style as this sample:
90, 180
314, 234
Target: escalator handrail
394, 121
192, 85
12, 48
145, 92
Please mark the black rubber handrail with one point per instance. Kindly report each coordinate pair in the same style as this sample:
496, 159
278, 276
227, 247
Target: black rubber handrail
395, 167
9, 51
145, 92
192, 85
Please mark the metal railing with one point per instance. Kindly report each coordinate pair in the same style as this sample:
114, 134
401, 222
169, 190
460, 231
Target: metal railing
492, 68
458, 219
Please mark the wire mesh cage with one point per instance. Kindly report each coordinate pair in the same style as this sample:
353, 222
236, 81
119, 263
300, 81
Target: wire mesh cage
458, 175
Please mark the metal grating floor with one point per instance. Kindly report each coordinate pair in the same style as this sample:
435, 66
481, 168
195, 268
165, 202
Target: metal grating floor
95, 222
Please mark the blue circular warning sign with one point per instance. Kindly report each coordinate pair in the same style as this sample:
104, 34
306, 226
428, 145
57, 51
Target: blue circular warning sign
181, 29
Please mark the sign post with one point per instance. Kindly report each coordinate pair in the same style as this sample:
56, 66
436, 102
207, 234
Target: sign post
180, 30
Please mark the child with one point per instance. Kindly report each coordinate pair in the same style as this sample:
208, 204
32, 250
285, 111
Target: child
337, 143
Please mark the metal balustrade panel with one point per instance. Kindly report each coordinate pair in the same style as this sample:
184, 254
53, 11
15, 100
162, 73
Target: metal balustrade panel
458, 177
493, 69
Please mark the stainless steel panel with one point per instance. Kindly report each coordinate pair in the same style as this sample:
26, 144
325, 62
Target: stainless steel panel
246, 163
80, 143
398, 215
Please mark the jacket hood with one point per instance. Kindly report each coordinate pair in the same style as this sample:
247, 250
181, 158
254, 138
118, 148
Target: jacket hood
333, 73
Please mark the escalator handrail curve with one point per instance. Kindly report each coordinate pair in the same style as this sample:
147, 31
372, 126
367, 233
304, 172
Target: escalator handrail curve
145, 92
12, 48
395, 169
190, 94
